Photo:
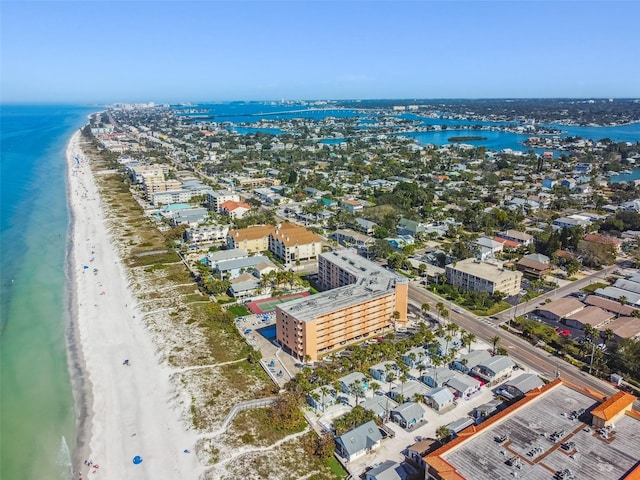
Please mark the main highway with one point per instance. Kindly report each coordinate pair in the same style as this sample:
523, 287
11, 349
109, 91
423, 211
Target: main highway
521, 351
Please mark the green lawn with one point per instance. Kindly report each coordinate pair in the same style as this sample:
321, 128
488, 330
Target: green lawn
498, 307
594, 286
335, 467
239, 310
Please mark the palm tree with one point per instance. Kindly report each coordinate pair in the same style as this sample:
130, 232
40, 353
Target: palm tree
357, 390
443, 433
439, 308
390, 378
468, 339
452, 328
623, 301
494, 340
315, 397
426, 308
374, 386
609, 335
448, 338
324, 390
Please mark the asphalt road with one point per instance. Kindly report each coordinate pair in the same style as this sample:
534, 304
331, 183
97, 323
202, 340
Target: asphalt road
520, 350
560, 292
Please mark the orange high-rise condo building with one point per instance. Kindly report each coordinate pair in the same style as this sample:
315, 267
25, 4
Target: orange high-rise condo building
360, 301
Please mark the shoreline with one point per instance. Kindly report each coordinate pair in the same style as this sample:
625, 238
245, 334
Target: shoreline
81, 386
121, 411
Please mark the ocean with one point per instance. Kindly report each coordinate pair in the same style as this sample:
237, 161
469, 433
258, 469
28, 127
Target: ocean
37, 409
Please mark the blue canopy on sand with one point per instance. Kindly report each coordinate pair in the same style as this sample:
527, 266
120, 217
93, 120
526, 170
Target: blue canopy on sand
137, 460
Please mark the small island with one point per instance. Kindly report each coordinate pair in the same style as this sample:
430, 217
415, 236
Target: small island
465, 138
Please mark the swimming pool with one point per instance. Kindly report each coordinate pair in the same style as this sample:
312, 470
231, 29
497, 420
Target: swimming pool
268, 332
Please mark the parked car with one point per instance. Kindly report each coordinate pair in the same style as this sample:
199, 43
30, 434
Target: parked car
563, 333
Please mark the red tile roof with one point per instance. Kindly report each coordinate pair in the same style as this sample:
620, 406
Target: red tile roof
616, 404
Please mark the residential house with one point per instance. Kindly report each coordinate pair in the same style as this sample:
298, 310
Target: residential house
487, 248
213, 258
463, 386
569, 183
234, 209
244, 286
348, 380
487, 409
494, 369
440, 399
516, 236
571, 221
519, 386
410, 227
233, 268
469, 360
409, 390
365, 226
534, 264
352, 206
389, 470
604, 240
549, 183
321, 401
415, 357
381, 405
379, 371
437, 377
408, 414
420, 449
460, 424
359, 441
188, 216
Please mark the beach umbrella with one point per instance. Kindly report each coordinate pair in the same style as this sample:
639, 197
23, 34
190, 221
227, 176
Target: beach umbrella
86, 266
137, 460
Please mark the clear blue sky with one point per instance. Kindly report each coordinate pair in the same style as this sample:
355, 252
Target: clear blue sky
166, 51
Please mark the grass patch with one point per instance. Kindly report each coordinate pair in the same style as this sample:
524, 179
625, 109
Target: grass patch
498, 307
195, 297
335, 467
223, 299
239, 310
594, 286
257, 423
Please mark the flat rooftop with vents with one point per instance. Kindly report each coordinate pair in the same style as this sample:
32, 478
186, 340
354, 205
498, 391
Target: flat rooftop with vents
557, 432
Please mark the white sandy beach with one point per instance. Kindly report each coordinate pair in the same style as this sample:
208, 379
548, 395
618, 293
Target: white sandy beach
130, 410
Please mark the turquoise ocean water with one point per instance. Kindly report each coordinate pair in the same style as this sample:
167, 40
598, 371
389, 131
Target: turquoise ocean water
36, 402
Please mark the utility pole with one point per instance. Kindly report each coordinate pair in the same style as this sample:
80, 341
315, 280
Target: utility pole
593, 351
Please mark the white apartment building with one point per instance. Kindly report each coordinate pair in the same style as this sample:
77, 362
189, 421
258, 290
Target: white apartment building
218, 197
472, 274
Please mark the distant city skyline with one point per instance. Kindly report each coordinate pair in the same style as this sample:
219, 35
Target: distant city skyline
166, 51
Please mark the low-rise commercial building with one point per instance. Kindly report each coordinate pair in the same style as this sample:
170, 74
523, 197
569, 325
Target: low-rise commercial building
549, 433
